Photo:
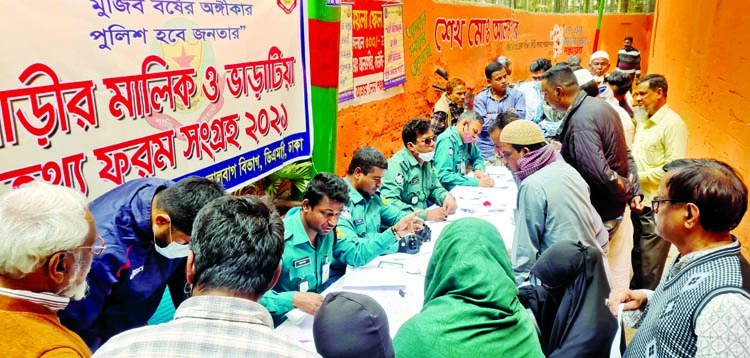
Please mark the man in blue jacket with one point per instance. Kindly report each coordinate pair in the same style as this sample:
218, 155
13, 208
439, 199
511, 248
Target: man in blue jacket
146, 224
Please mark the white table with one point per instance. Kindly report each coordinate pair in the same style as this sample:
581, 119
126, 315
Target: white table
396, 281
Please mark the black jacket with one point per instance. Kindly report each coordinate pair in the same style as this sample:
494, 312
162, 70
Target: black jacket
593, 142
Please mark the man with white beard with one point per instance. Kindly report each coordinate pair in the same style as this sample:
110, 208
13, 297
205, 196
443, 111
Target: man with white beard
47, 239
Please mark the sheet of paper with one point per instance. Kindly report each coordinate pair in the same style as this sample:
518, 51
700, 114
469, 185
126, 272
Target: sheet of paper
373, 278
615, 351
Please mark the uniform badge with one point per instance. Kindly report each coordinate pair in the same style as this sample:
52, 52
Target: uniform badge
414, 181
301, 262
399, 179
346, 213
339, 233
450, 151
385, 202
414, 200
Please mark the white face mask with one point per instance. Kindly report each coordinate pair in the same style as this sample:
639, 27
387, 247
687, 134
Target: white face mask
173, 250
427, 156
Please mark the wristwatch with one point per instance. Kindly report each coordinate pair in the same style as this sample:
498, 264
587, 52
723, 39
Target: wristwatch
395, 233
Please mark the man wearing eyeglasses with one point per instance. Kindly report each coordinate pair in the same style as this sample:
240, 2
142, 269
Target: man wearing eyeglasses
146, 224
48, 239
702, 306
412, 180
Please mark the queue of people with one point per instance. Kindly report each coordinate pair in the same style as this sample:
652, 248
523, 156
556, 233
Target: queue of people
78, 278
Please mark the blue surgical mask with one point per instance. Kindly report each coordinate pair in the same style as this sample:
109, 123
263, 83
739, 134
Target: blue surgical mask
538, 86
173, 250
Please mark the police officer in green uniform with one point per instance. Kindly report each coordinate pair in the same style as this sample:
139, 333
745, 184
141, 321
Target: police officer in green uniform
310, 243
362, 218
456, 149
412, 180
308, 248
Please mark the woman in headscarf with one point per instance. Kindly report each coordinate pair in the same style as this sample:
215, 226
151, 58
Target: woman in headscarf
570, 304
470, 305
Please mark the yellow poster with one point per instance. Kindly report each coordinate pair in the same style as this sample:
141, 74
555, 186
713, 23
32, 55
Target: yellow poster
346, 74
393, 32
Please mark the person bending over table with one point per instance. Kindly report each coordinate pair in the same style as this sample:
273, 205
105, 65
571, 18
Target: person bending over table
456, 153
311, 242
412, 180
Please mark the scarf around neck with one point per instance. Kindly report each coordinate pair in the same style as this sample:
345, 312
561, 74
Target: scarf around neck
533, 161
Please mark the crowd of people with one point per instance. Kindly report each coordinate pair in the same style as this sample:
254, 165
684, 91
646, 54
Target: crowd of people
603, 189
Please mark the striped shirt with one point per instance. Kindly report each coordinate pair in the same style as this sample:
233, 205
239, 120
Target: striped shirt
629, 61
50, 300
208, 326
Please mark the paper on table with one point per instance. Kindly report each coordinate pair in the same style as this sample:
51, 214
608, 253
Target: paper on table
615, 351
371, 278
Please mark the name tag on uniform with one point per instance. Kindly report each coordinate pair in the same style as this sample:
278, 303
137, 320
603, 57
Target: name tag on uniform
359, 221
301, 262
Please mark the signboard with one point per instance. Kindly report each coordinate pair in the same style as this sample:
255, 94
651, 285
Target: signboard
95, 93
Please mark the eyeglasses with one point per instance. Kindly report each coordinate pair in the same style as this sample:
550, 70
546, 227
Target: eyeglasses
656, 201
428, 140
98, 247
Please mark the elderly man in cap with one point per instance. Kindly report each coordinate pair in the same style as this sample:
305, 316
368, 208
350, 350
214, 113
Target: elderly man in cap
599, 65
702, 306
553, 199
47, 239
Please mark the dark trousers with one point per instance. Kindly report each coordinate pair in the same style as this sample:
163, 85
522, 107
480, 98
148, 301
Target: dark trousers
649, 253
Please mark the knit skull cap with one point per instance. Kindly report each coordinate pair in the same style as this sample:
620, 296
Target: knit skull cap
599, 54
350, 324
583, 76
522, 132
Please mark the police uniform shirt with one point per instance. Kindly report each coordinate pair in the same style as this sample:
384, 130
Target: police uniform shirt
451, 158
407, 185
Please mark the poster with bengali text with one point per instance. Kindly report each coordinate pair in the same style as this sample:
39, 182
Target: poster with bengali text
395, 72
94, 93
368, 53
346, 75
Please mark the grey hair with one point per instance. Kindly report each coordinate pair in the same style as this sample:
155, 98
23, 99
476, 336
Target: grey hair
36, 221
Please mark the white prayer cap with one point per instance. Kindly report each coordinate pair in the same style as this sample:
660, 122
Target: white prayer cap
599, 54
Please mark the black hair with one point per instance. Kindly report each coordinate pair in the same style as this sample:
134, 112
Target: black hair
531, 147
540, 64
183, 200
714, 187
629, 38
237, 245
623, 81
367, 158
326, 185
561, 76
590, 88
502, 120
413, 128
493, 67
655, 81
